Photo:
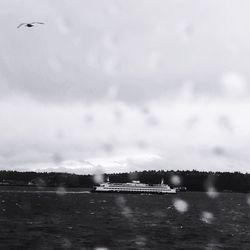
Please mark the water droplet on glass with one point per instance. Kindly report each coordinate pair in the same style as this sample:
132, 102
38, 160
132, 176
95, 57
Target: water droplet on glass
180, 205
40, 183
212, 192
66, 244
57, 158
248, 200
175, 180
98, 174
125, 210
60, 191
120, 201
207, 217
140, 241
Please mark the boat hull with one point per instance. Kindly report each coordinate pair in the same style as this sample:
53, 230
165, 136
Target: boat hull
134, 187
132, 192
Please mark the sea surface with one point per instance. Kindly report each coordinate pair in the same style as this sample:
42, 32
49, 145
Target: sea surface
78, 219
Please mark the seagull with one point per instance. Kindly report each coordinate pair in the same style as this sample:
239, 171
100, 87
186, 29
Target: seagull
29, 25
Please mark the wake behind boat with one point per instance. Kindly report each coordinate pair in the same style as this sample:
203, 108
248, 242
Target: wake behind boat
134, 187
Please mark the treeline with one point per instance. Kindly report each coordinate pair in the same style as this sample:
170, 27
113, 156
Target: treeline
45, 179
192, 180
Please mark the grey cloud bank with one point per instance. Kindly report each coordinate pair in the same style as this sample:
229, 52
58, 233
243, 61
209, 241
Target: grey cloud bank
87, 49
124, 85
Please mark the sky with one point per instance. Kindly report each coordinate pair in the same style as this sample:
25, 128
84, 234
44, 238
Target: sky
117, 86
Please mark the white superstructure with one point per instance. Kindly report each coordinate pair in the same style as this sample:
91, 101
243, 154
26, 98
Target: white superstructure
134, 187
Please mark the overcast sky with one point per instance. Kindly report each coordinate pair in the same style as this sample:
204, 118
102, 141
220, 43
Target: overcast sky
125, 85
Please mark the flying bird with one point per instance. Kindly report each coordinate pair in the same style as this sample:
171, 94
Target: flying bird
29, 25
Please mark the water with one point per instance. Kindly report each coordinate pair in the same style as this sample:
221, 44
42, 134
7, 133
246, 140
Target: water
82, 220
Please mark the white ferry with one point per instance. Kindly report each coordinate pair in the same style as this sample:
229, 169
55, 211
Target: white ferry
134, 187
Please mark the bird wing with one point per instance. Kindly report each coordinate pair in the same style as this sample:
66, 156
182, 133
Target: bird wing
21, 25
37, 23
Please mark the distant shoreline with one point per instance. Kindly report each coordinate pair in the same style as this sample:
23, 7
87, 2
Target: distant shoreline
226, 182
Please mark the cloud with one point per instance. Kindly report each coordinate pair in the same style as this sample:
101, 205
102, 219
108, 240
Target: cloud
128, 86
234, 84
59, 137
81, 55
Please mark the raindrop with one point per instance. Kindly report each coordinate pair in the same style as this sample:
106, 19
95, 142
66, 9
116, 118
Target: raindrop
142, 144
62, 26
140, 241
59, 134
107, 147
213, 245
233, 84
219, 151
224, 122
98, 176
152, 121
192, 122
66, 244
40, 183
145, 110
248, 200
212, 192
185, 30
175, 180
180, 205
207, 217
61, 191
57, 158
120, 201
118, 114
88, 118
125, 210
55, 65
154, 61
133, 176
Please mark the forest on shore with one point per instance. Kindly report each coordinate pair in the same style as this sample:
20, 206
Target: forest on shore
192, 180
